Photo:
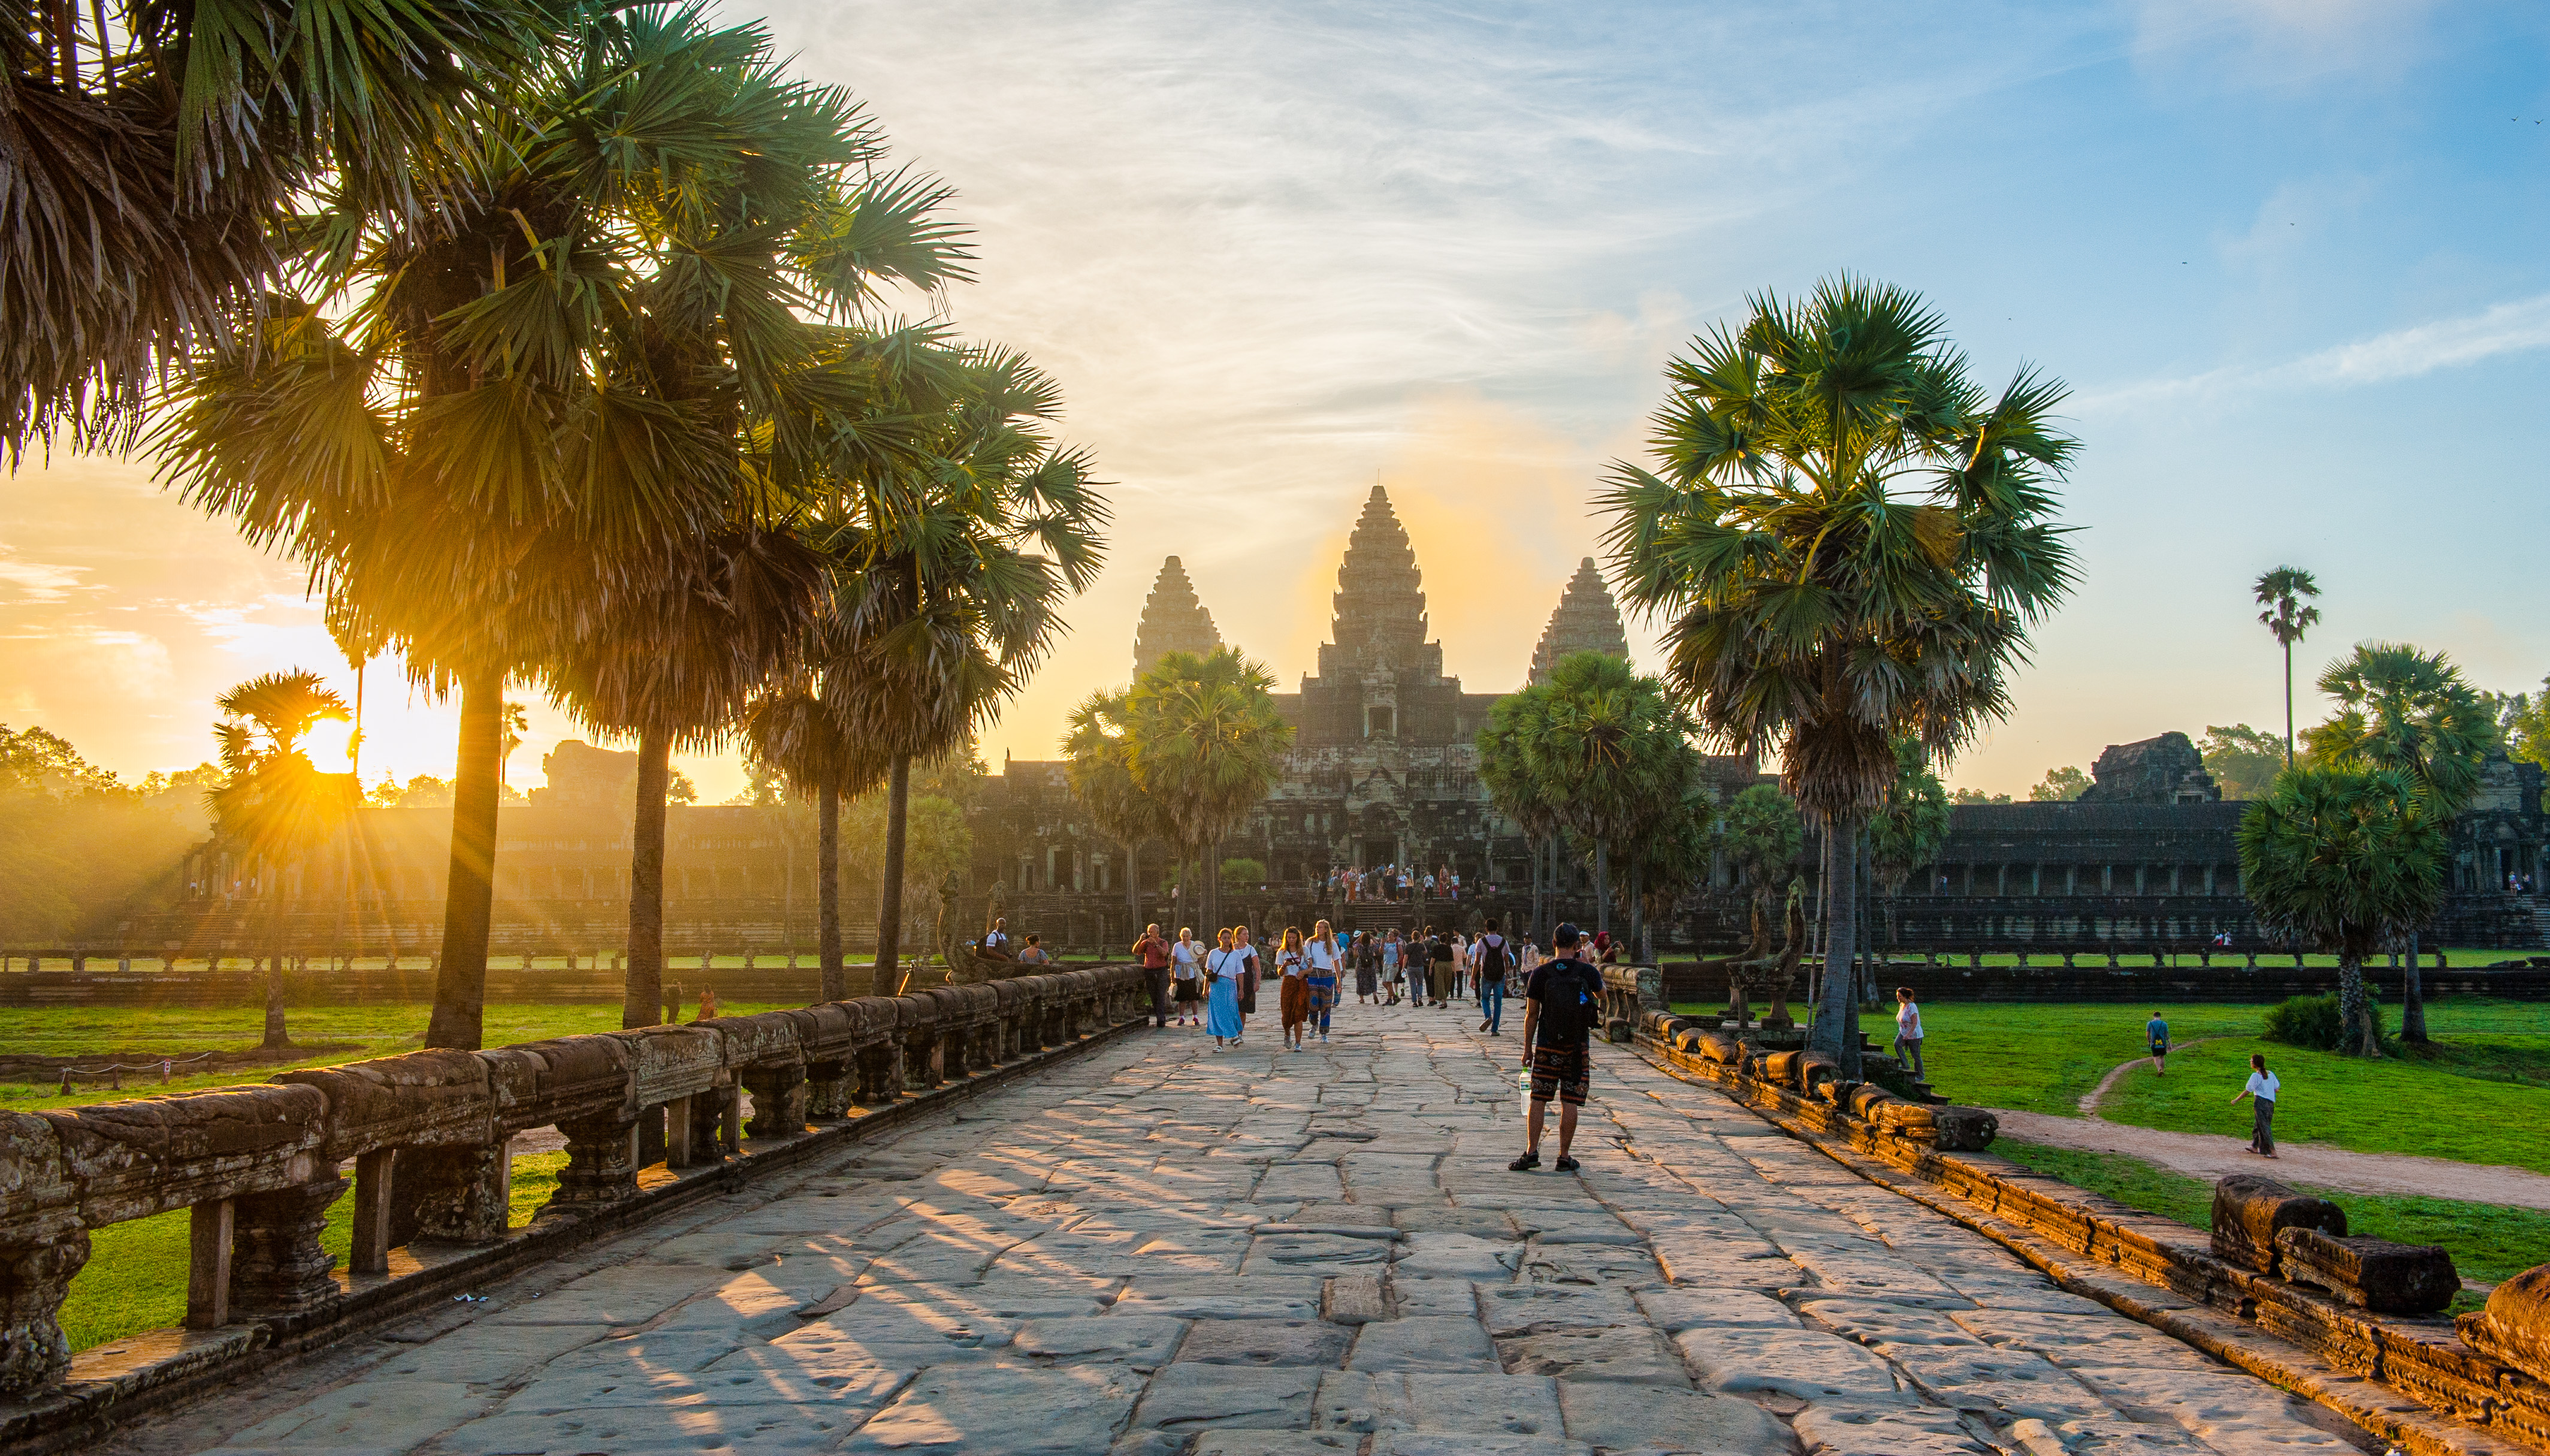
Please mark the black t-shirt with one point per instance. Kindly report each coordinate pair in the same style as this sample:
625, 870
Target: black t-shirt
1551, 980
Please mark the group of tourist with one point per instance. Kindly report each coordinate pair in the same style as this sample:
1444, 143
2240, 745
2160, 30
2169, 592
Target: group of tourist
1391, 883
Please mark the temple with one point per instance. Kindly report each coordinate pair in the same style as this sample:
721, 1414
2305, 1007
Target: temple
1383, 771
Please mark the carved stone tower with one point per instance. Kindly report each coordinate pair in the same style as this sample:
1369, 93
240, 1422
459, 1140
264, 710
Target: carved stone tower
1380, 601
1173, 619
1587, 621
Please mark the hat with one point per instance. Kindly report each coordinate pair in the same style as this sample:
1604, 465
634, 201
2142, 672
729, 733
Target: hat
1566, 936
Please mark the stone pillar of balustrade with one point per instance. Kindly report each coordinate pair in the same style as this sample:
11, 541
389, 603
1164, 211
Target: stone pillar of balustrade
829, 1088
601, 1164
778, 1101
34, 1279
452, 1195
277, 1266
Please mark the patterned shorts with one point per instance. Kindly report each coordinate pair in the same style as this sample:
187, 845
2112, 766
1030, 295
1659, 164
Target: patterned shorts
1560, 1071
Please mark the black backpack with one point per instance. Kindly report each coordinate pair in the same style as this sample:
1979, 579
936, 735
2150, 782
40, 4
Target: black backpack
1573, 1004
1492, 957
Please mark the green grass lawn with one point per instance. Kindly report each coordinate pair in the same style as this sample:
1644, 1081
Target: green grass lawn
2488, 1243
136, 1276
373, 1030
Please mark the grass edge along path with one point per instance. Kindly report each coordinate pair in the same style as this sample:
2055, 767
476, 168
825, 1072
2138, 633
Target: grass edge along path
136, 1276
2490, 1243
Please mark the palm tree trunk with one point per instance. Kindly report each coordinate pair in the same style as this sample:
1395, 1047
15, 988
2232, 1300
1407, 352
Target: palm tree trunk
1133, 887
275, 1036
2354, 1013
2289, 704
2413, 996
469, 885
898, 798
1638, 913
1834, 1004
1601, 884
827, 890
641, 998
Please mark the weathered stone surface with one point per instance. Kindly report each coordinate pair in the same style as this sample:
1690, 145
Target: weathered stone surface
1445, 1343
1646, 1417
1065, 1411
1355, 1299
1197, 1396
2369, 1273
1304, 1342
2250, 1211
1964, 1130
1480, 1404
1145, 1343
2514, 1325
1630, 1354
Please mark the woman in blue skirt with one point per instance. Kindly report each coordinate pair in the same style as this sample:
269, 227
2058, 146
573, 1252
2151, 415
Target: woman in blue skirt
1327, 958
1221, 967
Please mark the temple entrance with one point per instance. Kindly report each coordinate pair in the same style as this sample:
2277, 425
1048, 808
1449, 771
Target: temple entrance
1376, 852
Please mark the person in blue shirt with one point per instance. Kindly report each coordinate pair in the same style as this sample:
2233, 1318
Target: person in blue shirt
2156, 1032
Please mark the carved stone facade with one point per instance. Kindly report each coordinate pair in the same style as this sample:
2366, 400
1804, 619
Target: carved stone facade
1173, 619
1587, 621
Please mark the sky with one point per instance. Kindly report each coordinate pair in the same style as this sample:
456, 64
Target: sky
2286, 254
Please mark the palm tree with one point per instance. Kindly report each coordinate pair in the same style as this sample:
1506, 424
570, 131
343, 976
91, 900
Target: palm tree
674, 657
951, 574
534, 403
1849, 539
155, 152
273, 802
1097, 755
2412, 711
1517, 791
1206, 744
1761, 837
2281, 592
1611, 756
796, 733
2344, 859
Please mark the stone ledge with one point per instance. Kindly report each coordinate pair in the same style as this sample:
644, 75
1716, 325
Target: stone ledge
130, 1377
2466, 1402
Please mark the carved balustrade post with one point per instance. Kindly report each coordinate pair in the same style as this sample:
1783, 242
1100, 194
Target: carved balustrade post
34, 1278
778, 1101
453, 1195
276, 1264
601, 1164
830, 1087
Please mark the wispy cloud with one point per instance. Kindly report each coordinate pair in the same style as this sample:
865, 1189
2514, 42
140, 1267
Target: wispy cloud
2519, 326
38, 583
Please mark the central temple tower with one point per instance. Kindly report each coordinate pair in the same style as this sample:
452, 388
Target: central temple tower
1380, 680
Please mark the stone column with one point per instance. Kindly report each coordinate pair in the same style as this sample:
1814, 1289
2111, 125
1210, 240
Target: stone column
829, 1088
779, 1097
601, 1165
34, 1278
452, 1195
707, 1123
881, 1078
276, 1264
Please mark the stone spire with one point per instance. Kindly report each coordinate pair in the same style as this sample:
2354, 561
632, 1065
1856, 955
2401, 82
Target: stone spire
1173, 619
1587, 621
1380, 605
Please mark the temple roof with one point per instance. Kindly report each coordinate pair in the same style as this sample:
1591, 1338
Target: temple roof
1587, 621
1380, 603
1174, 620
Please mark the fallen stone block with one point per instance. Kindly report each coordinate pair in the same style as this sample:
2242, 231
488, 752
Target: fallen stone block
1963, 1129
2515, 1325
2250, 1211
2371, 1273
1717, 1046
1865, 1102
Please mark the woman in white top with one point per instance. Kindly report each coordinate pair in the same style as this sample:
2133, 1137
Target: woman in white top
1908, 1033
1327, 960
2263, 1087
1222, 966
1186, 973
1460, 963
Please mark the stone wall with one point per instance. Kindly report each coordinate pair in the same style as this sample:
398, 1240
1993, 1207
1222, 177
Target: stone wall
426, 1137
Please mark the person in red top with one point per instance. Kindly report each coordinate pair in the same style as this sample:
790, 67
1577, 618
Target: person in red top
1153, 953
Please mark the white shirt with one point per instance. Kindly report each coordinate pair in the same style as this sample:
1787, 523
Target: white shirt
1907, 1020
1323, 958
2263, 1085
1289, 961
1222, 962
1182, 959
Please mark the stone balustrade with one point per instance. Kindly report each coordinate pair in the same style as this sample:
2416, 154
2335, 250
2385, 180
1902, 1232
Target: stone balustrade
426, 1135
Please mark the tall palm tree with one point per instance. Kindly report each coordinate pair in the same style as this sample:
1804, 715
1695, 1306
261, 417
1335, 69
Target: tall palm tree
1098, 756
534, 403
1207, 744
1610, 754
1849, 539
1519, 792
674, 657
1762, 836
2412, 711
153, 152
2343, 859
796, 733
953, 570
272, 803
2281, 592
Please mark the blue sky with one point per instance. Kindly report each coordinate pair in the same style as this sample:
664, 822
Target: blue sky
2288, 255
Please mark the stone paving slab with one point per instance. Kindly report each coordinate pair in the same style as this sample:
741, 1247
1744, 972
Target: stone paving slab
1163, 1250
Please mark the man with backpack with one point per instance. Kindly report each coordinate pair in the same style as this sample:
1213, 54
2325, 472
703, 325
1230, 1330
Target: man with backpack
1490, 955
1561, 1004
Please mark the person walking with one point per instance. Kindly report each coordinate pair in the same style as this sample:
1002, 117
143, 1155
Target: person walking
1491, 957
1153, 952
1908, 1033
2156, 1036
1460, 965
1324, 957
2262, 1088
1390, 958
1222, 972
1367, 967
1560, 1006
1439, 967
1292, 986
1250, 968
1186, 973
